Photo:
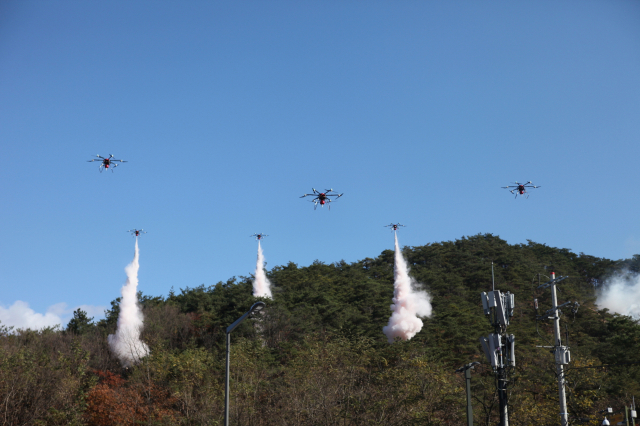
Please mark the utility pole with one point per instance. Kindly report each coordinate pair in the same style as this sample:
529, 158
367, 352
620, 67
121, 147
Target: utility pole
630, 413
467, 375
561, 353
499, 346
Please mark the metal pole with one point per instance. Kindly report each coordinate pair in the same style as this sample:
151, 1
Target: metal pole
256, 307
502, 377
467, 376
502, 395
226, 383
626, 415
564, 416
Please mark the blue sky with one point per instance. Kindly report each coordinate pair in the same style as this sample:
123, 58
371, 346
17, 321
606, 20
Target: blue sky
227, 112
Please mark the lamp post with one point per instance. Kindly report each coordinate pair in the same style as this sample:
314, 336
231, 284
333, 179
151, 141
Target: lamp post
256, 307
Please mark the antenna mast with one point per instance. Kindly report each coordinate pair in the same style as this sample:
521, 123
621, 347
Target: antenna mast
499, 346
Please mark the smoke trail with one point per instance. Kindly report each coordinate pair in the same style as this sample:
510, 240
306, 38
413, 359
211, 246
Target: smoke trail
409, 303
261, 285
126, 343
621, 294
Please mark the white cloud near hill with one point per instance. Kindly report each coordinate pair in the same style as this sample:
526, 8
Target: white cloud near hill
21, 316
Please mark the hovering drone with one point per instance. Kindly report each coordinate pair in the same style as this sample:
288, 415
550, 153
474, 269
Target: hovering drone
136, 232
521, 188
322, 197
394, 226
105, 163
259, 236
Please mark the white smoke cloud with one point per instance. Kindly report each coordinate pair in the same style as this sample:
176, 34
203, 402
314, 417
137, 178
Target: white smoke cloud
126, 343
409, 302
21, 316
621, 294
261, 284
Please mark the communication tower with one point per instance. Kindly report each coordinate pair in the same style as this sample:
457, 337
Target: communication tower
499, 347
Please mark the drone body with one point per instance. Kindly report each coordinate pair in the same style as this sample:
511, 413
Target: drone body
136, 232
521, 188
394, 226
322, 198
259, 236
107, 162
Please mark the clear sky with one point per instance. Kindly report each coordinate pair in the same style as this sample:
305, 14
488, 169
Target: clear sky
227, 112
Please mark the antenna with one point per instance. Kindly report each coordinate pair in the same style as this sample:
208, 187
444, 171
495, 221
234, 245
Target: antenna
499, 347
493, 278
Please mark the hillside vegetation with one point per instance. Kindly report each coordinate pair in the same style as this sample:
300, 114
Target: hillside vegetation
317, 356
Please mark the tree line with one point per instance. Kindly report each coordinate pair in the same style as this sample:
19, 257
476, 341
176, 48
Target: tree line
317, 356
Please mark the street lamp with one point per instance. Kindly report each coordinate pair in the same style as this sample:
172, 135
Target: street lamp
256, 307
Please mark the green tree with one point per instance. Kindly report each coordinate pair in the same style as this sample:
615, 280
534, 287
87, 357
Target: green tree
80, 323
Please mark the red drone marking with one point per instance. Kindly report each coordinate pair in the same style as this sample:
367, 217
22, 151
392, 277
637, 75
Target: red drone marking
259, 236
136, 232
394, 226
521, 188
105, 162
322, 197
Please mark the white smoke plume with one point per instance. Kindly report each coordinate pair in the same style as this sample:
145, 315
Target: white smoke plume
261, 284
621, 294
409, 303
126, 343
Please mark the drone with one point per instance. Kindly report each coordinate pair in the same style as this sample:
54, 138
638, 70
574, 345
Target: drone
521, 188
394, 226
259, 236
105, 163
322, 197
136, 232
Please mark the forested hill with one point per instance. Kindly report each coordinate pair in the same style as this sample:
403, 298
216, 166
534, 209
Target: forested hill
317, 355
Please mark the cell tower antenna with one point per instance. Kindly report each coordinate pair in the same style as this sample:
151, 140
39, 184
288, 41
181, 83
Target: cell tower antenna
499, 347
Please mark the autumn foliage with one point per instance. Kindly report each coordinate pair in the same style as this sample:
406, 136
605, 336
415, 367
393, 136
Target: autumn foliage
114, 402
